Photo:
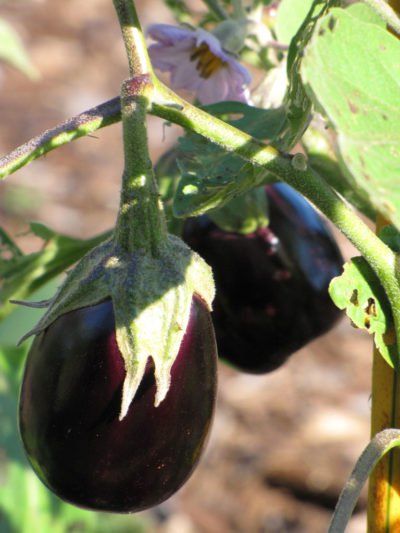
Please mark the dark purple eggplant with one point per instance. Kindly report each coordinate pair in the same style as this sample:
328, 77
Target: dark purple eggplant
69, 413
272, 285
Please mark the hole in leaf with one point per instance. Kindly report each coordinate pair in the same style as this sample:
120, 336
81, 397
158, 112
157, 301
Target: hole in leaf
354, 297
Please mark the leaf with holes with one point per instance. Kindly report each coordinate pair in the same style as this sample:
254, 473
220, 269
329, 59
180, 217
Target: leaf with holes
352, 71
211, 176
359, 292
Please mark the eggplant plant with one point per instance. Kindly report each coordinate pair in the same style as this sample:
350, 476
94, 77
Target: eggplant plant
119, 386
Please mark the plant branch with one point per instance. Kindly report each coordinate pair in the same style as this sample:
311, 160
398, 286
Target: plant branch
135, 44
382, 443
140, 222
81, 125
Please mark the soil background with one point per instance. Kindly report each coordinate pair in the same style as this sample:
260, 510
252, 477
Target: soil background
283, 444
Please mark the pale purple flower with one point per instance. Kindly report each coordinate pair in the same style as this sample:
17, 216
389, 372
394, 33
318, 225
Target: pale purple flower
198, 63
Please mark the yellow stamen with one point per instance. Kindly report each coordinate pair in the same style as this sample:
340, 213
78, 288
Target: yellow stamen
207, 62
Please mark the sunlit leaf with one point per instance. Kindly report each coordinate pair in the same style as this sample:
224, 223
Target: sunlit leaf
289, 18
209, 173
352, 69
359, 292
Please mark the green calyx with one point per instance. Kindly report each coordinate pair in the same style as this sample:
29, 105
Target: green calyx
151, 297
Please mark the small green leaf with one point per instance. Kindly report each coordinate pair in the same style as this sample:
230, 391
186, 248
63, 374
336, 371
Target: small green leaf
391, 236
8, 248
21, 275
244, 214
12, 51
179, 10
258, 122
360, 293
352, 69
206, 169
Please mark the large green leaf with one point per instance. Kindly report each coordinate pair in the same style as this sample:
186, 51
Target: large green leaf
12, 50
352, 71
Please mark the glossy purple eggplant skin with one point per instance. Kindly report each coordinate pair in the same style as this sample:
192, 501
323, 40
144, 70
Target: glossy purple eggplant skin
272, 285
69, 408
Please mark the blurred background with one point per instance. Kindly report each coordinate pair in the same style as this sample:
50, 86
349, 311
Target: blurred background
283, 444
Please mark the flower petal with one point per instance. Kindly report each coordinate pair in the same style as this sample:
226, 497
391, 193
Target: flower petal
215, 88
167, 34
173, 53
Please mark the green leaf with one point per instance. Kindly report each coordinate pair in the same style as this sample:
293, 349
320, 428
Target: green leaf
323, 160
289, 18
206, 168
167, 173
21, 275
244, 214
365, 13
352, 71
390, 236
8, 248
297, 102
13, 52
260, 123
360, 293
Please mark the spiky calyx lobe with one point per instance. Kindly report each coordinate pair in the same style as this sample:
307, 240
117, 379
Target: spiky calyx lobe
70, 405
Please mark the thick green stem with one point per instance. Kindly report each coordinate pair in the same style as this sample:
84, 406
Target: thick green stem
135, 44
141, 222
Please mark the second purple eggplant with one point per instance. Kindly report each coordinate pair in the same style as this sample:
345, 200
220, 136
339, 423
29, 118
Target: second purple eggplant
272, 285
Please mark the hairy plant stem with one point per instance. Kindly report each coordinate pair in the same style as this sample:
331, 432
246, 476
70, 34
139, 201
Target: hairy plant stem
135, 44
140, 223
